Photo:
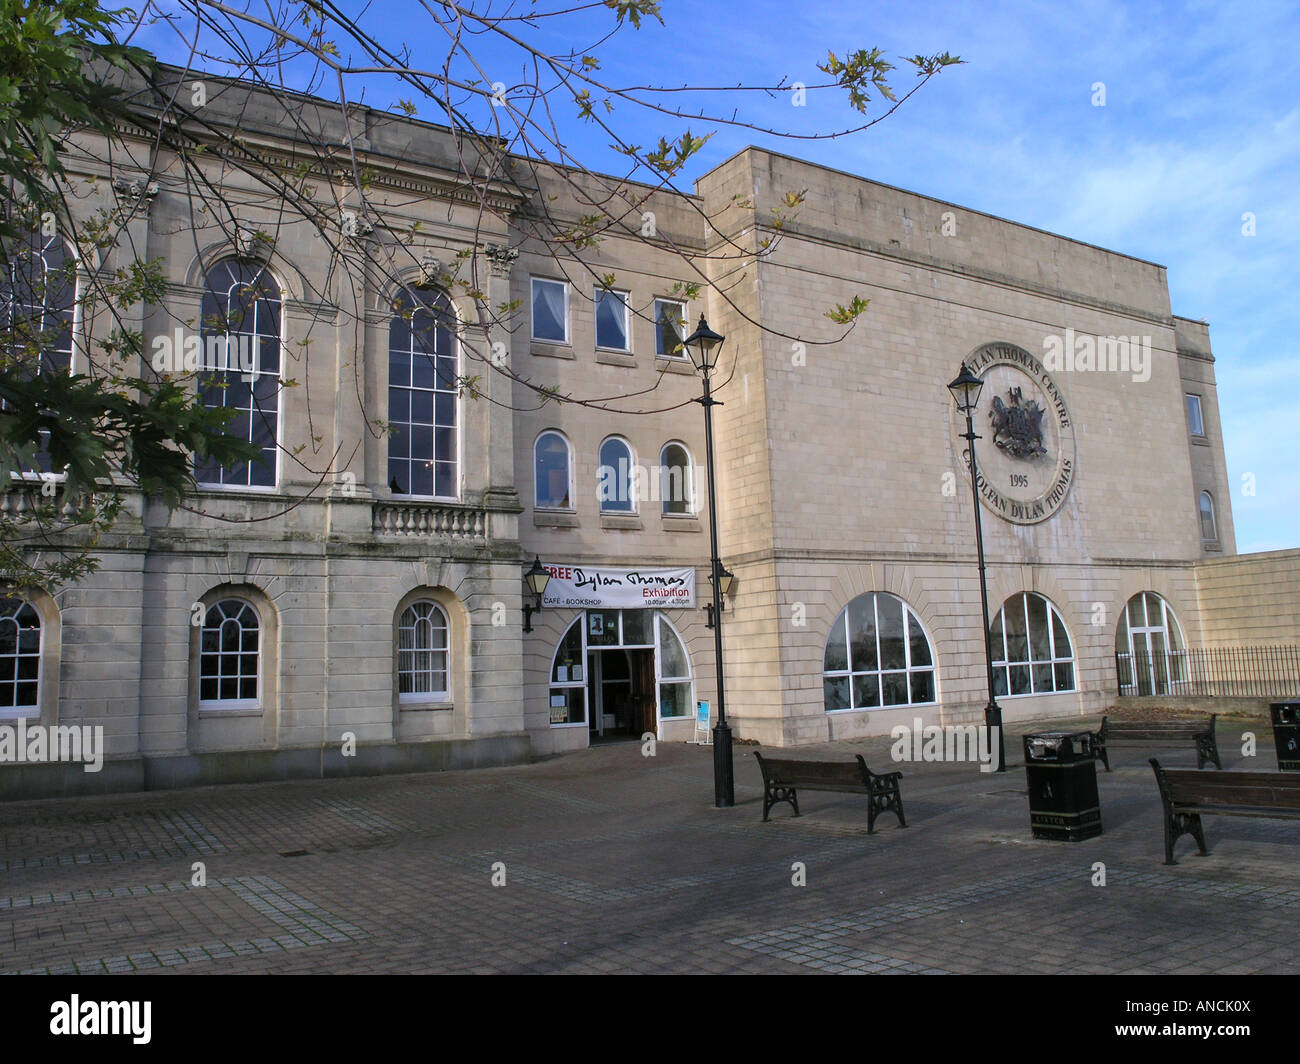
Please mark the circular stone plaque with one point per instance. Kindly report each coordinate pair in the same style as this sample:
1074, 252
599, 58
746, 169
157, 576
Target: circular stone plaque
1026, 454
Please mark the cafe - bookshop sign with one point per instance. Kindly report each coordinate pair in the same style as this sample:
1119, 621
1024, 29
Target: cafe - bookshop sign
587, 587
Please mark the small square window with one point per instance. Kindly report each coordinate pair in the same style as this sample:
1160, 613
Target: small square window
1195, 421
550, 311
612, 321
670, 328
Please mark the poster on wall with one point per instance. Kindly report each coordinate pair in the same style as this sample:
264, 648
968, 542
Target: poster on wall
630, 588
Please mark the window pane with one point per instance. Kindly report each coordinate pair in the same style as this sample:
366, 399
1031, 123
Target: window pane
669, 328
923, 686
552, 471
611, 320
550, 318
893, 686
892, 654
837, 655
615, 486
1063, 648
568, 655
568, 705
920, 646
1039, 644
1013, 617
637, 629
1019, 679
1042, 678
1065, 677
675, 480
674, 699
862, 634
602, 628
836, 690
866, 691
1195, 421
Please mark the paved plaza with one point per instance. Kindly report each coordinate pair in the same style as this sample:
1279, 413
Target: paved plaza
616, 862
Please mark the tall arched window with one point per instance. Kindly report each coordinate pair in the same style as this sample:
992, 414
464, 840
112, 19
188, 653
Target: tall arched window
20, 658
38, 300
1032, 653
617, 483
423, 670
676, 486
1149, 648
240, 329
553, 472
423, 365
877, 654
1209, 527
230, 656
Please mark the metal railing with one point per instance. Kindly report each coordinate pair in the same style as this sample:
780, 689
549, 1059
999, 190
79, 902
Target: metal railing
1215, 672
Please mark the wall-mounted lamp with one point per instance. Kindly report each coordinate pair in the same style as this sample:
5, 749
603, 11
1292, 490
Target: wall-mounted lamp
536, 578
725, 578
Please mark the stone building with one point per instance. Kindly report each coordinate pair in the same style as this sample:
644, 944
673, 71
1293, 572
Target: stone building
354, 602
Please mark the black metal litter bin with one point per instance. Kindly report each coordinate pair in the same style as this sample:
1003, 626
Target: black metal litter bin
1286, 734
1062, 772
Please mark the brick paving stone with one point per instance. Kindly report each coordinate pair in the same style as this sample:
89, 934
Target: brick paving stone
618, 863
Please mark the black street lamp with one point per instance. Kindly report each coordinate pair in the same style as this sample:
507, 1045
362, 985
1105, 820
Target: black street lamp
966, 394
702, 346
727, 578
536, 578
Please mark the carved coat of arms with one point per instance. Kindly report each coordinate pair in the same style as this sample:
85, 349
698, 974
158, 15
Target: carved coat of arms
1018, 426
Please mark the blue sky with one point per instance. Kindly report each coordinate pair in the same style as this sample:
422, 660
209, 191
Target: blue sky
1201, 125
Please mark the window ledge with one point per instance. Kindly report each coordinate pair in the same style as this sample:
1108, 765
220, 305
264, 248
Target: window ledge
426, 707
623, 521
1201, 441
555, 518
680, 522
674, 365
542, 349
241, 711
1212, 546
613, 357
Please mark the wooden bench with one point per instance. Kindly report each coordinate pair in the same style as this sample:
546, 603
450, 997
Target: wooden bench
782, 781
1161, 733
1189, 794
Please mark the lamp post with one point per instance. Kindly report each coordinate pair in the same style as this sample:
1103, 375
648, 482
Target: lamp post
727, 577
702, 347
966, 394
536, 578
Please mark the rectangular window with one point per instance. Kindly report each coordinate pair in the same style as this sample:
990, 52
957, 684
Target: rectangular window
612, 327
550, 311
670, 328
1195, 422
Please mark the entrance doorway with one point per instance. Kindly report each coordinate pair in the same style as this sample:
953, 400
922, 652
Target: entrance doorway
617, 673
620, 692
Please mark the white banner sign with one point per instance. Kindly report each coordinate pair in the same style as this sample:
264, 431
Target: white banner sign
586, 587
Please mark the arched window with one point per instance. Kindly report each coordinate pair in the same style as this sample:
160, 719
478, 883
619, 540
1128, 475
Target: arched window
877, 654
240, 330
553, 472
230, 656
38, 299
1209, 528
423, 366
20, 658
423, 673
676, 485
617, 484
1032, 653
568, 698
1149, 648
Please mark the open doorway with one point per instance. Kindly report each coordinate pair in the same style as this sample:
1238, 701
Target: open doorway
620, 692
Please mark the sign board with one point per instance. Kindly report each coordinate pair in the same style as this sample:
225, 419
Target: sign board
629, 588
702, 724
